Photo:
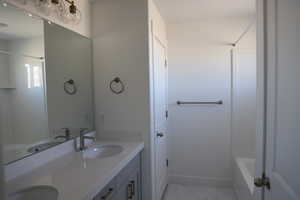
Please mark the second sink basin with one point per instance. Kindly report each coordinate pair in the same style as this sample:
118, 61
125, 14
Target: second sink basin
35, 193
102, 151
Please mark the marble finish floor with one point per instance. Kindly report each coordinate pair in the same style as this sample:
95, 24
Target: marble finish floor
181, 192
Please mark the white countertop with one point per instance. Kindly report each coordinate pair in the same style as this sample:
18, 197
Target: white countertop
77, 178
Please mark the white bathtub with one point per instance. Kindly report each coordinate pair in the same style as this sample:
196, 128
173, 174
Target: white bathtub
244, 172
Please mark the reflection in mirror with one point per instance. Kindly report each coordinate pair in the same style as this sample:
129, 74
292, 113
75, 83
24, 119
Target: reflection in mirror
69, 82
36, 60
22, 82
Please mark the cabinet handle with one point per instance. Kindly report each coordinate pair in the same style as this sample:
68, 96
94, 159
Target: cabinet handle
133, 189
108, 195
129, 191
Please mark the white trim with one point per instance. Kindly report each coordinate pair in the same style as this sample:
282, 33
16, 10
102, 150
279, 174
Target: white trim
152, 115
195, 180
261, 94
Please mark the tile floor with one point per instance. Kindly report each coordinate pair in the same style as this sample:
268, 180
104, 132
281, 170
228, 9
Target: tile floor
180, 192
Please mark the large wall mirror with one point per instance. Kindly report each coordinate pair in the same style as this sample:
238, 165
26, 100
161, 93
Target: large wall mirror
45, 84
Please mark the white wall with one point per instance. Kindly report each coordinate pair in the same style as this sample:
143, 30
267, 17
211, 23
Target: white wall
4, 109
244, 96
158, 23
4, 65
5, 103
200, 70
120, 45
84, 27
120, 49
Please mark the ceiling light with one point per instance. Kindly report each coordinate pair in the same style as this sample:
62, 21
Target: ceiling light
4, 4
66, 10
30, 15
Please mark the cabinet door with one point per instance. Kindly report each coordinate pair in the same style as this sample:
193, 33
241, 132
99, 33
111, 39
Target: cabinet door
124, 192
130, 187
135, 185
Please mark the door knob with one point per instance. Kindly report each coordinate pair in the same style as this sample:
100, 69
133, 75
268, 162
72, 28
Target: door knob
160, 135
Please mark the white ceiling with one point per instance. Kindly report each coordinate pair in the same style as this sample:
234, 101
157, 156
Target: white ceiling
184, 10
19, 24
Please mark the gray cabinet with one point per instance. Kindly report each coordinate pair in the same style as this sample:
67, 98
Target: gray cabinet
130, 187
126, 185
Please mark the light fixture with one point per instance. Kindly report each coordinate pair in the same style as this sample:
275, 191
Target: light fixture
66, 10
74, 15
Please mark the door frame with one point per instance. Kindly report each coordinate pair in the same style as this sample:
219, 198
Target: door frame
261, 94
157, 40
153, 37
271, 86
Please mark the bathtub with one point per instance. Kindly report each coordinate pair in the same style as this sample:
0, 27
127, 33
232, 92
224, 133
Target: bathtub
244, 172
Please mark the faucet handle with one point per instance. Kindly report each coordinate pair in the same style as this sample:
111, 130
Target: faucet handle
66, 136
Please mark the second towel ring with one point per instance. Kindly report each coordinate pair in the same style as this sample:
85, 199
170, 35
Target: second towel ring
118, 81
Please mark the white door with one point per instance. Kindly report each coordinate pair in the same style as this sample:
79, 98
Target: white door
160, 117
283, 99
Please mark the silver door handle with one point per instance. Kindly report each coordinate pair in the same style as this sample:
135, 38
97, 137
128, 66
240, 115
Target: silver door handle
160, 135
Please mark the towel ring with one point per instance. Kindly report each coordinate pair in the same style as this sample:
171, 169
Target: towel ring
70, 87
117, 80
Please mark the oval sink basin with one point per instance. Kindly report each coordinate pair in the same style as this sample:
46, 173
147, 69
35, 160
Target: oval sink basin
35, 193
102, 151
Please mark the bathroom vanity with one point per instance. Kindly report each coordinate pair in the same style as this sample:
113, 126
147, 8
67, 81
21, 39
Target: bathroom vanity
87, 176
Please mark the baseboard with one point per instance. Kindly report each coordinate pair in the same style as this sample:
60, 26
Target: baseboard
205, 181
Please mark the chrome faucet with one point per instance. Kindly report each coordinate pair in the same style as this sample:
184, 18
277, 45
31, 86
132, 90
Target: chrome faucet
67, 134
82, 138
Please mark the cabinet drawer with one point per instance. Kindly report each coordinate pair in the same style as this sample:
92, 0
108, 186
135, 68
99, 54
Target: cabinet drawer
126, 185
130, 187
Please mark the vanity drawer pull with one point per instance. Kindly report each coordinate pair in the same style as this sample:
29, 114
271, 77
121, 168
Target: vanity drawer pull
129, 191
108, 195
133, 188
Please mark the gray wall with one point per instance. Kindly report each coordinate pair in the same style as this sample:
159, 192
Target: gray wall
120, 44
